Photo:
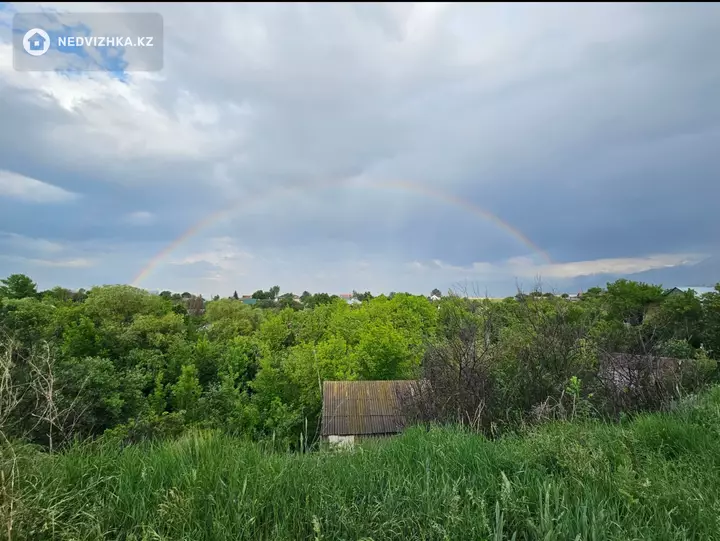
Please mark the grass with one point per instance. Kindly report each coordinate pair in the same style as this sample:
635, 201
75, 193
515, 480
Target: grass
655, 477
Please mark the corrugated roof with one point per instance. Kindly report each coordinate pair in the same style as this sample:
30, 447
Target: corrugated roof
365, 407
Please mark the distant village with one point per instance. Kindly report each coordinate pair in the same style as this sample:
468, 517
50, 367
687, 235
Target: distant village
195, 304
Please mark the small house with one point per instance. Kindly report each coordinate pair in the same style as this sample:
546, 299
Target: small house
349, 298
355, 410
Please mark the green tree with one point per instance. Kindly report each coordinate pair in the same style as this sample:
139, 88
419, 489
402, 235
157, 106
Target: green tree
629, 301
679, 317
18, 286
81, 339
58, 294
205, 358
154, 331
593, 292
227, 318
288, 301
240, 357
362, 297
274, 291
157, 401
711, 322
89, 390
186, 392
276, 332
384, 353
79, 296
260, 295
120, 303
317, 299
27, 320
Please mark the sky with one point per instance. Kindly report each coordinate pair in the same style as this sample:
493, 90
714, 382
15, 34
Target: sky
382, 147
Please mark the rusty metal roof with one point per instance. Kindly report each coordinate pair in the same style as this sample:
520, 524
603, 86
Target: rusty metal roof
364, 407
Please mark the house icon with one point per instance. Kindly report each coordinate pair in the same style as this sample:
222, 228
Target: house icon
37, 42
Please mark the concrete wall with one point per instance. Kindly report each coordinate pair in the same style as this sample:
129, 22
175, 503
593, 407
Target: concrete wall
341, 441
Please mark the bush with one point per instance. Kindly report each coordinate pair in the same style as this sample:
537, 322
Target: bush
151, 427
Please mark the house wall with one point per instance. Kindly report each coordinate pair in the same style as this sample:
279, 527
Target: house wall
341, 441
350, 441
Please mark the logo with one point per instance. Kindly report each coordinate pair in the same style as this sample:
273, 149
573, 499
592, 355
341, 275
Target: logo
36, 42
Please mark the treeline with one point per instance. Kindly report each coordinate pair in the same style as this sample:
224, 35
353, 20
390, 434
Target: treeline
134, 365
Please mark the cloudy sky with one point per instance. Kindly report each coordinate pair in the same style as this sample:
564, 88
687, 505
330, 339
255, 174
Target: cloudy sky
401, 147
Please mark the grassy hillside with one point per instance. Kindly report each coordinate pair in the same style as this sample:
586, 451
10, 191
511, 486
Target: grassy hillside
655, 477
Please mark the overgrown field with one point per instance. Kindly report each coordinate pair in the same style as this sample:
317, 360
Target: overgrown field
654, 477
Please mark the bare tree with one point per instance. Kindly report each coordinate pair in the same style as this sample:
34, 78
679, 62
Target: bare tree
456, 384
31, 399
29, 402
11, 391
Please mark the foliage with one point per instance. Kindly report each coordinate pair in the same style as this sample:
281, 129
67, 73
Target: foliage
121, 355
17, 286
186, 392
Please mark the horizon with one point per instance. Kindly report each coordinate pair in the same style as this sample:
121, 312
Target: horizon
698, 290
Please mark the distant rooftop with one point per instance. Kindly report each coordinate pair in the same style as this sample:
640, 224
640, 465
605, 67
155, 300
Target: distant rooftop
699, 290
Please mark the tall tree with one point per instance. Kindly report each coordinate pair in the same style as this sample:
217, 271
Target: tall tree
79, 296
58, 293
186, 392
628, 300
362, 297
18, 286
196, 306
436, 293
235, 296
274, 291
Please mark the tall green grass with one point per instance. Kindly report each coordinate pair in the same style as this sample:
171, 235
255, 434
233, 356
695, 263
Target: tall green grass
656, 477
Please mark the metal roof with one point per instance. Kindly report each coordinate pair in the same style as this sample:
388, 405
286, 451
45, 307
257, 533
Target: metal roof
699, 290
365, 407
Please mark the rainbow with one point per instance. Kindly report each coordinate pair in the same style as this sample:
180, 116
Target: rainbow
400, 185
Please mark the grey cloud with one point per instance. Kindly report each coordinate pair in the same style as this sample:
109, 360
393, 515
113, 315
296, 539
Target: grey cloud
591, 128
